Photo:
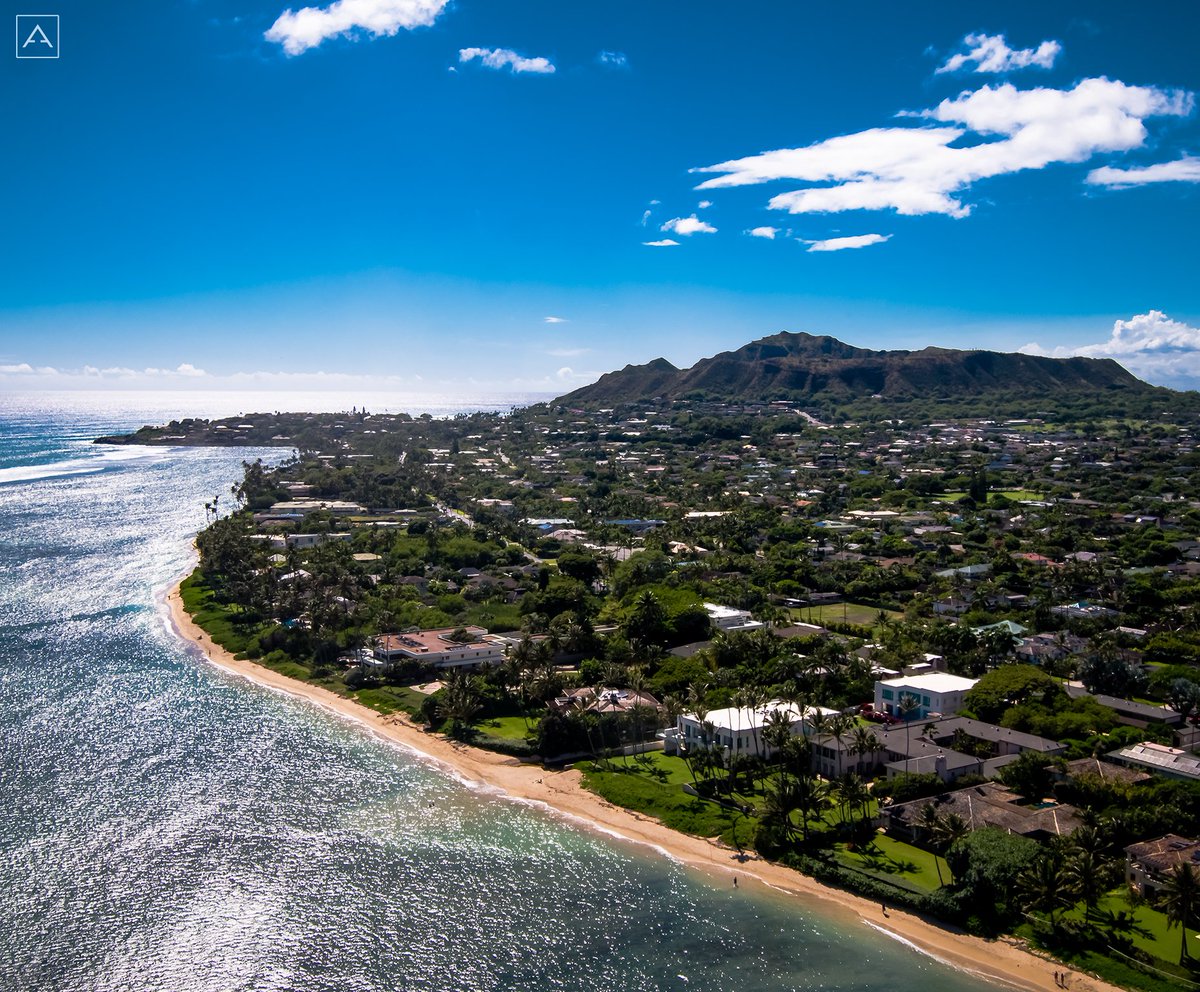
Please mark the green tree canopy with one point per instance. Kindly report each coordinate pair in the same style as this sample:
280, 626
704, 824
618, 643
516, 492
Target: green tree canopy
1007, 686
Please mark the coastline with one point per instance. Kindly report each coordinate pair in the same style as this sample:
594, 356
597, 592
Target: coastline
1003, 961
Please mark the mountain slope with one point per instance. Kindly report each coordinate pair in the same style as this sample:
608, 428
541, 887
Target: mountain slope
805, 366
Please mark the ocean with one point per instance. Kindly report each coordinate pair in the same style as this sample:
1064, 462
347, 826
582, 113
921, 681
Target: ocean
167, 826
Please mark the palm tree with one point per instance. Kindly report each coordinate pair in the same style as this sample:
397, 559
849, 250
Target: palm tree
777, 728
929, 821
1043, 886
1088, 873
908, 705
782, 800
860, 745
856, 794
950, 828
1181, 902
812, 798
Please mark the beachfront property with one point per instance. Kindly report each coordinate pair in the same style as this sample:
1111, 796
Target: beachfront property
987, 805
739, 729
934, 694
303, 507
442, 648
729, 619
604, 700
1148, 863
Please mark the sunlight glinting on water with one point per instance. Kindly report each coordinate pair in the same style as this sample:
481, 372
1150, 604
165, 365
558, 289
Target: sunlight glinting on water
165, 826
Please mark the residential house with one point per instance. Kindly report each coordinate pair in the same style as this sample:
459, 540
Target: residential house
1148, 863
441, 648
936, 693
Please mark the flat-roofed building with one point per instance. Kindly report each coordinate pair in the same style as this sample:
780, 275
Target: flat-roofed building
446, 647
730, 619
935, 693
739, 729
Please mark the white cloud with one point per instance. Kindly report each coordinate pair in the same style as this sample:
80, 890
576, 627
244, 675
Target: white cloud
645, 217
664, 243
688, 225
501, 58
763, 232
569, 376
704, 204
990, 53
555, 320
1150, 345
299, 30
615, 60
925, 170
1182, 170
841, 244
23, 369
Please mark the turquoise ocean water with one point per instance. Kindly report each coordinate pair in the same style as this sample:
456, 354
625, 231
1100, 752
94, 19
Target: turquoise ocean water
166, 826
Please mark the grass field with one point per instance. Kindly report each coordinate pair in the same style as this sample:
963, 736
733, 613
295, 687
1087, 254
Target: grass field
894, 860
857, 613
1013, 494
639, 786
1151, 934
512, 728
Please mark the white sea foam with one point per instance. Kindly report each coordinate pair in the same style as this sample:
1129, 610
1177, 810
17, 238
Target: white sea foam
95, 460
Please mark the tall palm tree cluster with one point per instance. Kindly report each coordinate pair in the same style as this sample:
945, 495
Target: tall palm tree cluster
793, 796
1084, 867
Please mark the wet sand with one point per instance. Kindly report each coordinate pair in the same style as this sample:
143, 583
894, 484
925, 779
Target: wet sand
1005, 961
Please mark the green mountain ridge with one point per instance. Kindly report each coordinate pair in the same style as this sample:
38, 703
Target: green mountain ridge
800, 366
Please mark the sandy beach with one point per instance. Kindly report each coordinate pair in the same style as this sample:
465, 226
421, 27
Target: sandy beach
1003, 961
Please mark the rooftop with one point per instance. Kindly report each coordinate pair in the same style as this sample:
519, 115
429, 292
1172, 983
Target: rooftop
933, 682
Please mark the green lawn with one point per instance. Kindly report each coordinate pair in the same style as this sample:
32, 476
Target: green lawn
512, 728
1013, 494
635, 788
1157, 939
858, 613
386, 698
493, 616
215, 619
895, 860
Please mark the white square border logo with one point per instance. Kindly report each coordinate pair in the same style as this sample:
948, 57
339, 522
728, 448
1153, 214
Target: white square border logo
57, 35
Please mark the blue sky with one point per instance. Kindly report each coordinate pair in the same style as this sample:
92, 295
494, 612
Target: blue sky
400, 193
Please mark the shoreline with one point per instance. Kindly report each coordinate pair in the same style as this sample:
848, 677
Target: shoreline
560, 792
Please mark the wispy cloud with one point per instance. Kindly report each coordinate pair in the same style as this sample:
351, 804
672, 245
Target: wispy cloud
299, 30
841, 244
763, 232
990, 53
24, 368
555, 320
506, 58
663, 243
688, 226
1151, 345
614, 60
926, 169
704, 204
1182, 170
